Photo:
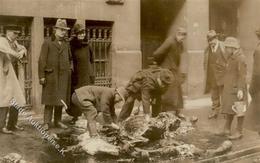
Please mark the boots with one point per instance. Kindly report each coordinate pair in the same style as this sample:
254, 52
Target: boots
92, 128
227, 127
238, 134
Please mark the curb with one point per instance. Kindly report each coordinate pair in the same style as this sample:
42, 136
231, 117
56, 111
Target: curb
232, 155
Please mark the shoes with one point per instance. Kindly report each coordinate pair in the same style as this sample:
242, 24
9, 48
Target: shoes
6, 131
18, 128
213, 115
236, 136
61, 125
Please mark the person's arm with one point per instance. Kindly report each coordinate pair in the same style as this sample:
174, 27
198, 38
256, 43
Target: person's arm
242, 70
5, 48
43, 61
159, 54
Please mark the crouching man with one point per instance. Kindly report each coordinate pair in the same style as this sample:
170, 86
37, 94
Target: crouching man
147, 86
94, 99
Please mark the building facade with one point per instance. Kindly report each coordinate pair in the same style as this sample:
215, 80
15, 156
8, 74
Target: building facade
113, 27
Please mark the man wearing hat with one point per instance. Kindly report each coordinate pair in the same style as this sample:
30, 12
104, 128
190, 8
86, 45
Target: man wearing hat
168, 55
146, 85
235, 89
92, 100
55, 67
11, 53
214, 80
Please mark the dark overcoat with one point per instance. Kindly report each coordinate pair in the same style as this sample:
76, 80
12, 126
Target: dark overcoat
252, 120
168, 55
213, 76
234, 80
83, 60
55, 66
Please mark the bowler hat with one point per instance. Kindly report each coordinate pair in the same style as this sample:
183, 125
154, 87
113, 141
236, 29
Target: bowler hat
78, 28
61, 23
166, 76
231, 42
211, 35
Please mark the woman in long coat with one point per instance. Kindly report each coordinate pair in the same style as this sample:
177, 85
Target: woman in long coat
83, 60
234, 85
252, 120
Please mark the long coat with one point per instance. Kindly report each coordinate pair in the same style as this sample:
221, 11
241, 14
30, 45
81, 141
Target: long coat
101, 97
234, 80
9, 84
212, 77
83, 60
252, 120
168, 55
55, 66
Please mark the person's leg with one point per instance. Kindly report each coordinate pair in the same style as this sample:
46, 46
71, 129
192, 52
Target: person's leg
239, 130
48, 110
12, 120
156, 107
227, 127
3, 115
126, 109
58, 116
90, 113
215, 98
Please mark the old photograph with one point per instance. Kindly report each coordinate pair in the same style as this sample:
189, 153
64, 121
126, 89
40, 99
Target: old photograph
129, 81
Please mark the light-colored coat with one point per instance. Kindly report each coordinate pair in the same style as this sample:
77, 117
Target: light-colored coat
9, 84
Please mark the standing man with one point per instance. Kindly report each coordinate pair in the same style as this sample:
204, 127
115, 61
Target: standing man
214, 82
55, 74
10, 52
168, 55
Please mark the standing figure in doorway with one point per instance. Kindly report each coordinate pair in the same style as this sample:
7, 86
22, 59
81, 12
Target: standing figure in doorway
168, 55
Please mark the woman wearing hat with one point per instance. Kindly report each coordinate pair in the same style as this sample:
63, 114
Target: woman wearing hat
83, 60
234, 91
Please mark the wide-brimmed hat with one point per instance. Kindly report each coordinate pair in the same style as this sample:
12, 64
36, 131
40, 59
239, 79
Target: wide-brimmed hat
78, 28
232, 42
211, 35
61, 23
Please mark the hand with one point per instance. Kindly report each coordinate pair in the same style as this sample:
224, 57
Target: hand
42, 81
147, 117
240, 94
115, 126
21, 54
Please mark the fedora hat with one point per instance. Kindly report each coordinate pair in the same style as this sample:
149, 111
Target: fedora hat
61, 23
211, 35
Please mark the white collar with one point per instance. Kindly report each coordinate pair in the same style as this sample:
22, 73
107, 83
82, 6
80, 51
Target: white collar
215, 47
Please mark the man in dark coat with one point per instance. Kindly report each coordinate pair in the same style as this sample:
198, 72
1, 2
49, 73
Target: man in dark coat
235, 89
146, 85
94, 99
252, 120
55, 74
214, 85
168, 55
83, 61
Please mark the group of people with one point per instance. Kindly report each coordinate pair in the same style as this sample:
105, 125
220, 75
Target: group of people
67, 79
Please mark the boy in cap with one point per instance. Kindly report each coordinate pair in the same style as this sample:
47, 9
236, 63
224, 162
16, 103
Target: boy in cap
214, 79
146, 85
168, 55
94, 99
235, 89
55, 67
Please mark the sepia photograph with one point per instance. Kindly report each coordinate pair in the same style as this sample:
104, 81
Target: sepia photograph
129, 81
